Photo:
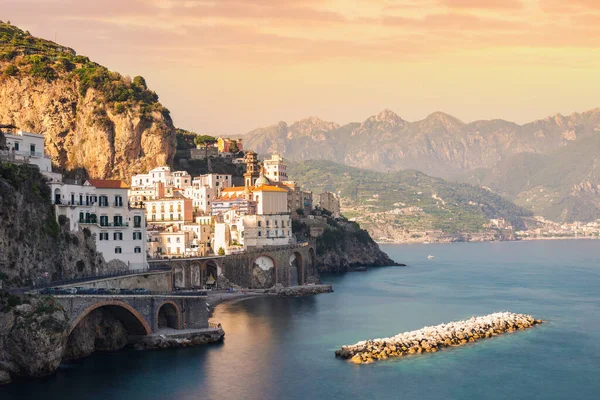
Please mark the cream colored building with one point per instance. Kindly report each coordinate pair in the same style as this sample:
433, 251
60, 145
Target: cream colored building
330, 202
169, 211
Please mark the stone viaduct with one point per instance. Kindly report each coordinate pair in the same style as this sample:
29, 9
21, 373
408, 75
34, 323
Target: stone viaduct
141, 314
290, 265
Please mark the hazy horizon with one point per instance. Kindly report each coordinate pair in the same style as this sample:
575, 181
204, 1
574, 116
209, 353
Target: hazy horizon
231, 66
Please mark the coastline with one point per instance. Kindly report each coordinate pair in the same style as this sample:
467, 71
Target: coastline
523, 239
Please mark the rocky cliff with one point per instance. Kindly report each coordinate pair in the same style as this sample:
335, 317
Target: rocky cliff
35, 247
343, 246
33, 336
96, 122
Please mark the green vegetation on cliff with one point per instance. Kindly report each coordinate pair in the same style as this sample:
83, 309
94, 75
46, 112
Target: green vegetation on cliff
26, 55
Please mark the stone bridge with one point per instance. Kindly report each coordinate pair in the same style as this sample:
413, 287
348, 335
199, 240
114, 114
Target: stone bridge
290, 265
141, 314
191, 273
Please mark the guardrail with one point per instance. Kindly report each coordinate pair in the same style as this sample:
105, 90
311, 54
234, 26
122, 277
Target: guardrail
125, 292
87, 278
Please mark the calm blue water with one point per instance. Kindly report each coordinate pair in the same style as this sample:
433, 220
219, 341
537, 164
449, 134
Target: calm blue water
278, 348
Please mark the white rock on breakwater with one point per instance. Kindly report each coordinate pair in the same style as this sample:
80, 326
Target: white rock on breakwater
431, 338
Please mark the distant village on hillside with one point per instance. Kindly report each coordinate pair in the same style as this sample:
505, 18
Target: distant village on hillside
165, 214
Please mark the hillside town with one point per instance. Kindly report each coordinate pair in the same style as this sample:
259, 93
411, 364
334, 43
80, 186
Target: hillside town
165, 214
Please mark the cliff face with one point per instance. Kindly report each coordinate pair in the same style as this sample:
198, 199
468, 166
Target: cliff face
83, 132
95, 121
33, 336
343, 246
34, 247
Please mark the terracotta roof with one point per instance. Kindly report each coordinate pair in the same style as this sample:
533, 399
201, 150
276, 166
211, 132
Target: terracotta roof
269, 188
108, 184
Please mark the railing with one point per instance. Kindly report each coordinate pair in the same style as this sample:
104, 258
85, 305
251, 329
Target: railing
114, 274
126, 292
113, 225
72, 203
214, 325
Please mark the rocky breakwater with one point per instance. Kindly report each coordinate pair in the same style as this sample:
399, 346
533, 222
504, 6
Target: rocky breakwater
432, 338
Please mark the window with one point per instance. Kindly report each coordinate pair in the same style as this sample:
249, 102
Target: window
168, 240
118, 250
137, 250
104, 220
118, 201
259, 233
103, 235
137, 221
118, 220
178, 240
267, 222
103, 201
259, 224
137, 235
16, 146
118, 236
81, 217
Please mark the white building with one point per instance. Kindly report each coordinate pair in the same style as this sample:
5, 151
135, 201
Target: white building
101, 206
26, 147
158, 183
205, 189
275, 169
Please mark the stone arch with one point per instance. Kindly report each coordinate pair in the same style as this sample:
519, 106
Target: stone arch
57, 196
263, 272
168, 315
210, 269
312, 258
296, 269
131, 318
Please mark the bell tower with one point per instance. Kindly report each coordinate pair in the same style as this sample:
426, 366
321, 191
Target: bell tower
252, 169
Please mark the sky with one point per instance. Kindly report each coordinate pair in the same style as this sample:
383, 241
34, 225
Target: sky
230, 66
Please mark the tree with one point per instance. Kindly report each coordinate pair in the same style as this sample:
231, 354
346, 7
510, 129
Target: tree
221, 251
233, 147
140, 81
205, 141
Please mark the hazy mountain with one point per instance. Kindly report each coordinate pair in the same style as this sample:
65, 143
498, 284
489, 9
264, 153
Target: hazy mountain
406, 200
489, 153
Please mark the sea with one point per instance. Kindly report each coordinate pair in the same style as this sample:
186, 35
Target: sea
283, 348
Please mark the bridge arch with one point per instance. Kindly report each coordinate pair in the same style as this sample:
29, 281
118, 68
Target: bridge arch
168, 315
296, 269
133, 320
264, 271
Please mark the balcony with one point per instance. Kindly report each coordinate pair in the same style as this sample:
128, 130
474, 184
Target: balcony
113, 225
72, 203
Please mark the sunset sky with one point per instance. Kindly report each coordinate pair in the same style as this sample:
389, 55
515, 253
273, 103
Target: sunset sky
229, 66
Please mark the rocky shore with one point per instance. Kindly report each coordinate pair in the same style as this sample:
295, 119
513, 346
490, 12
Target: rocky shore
432, 338
179, 339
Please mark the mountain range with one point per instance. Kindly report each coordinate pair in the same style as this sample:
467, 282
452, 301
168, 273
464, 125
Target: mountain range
548, 165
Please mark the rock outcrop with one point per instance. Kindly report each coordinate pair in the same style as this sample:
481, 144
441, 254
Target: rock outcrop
95, 121
342, 245
33, 336
432, 338
184, 340
35, 248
